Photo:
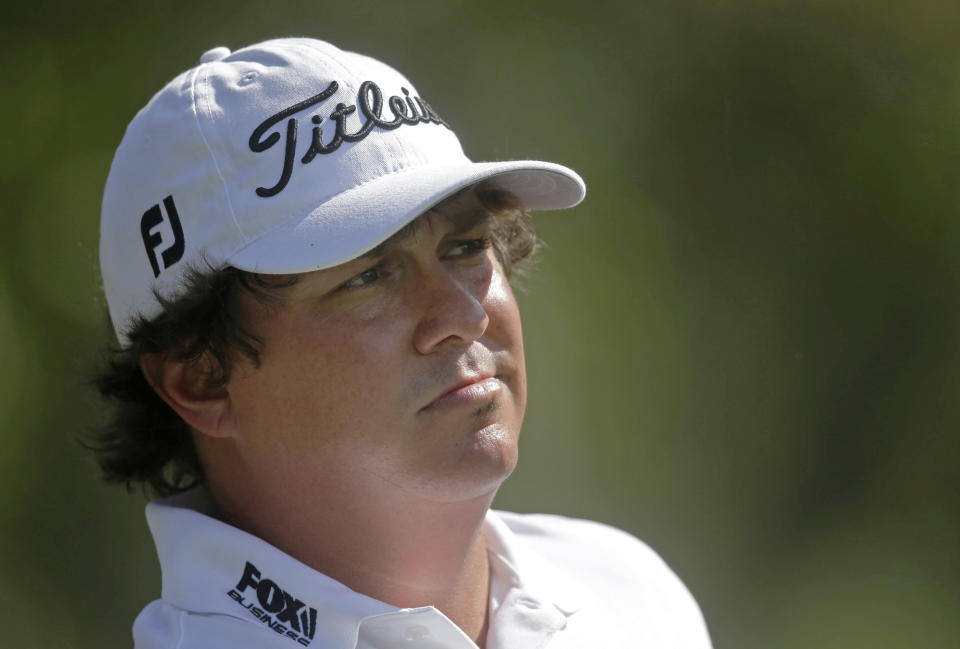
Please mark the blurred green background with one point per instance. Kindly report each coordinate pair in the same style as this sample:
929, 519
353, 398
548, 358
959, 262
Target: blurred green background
743, 346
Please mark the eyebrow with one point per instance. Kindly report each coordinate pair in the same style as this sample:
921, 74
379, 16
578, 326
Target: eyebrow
461, 222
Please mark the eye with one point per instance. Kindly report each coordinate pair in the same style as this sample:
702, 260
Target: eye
367, 277
469, 247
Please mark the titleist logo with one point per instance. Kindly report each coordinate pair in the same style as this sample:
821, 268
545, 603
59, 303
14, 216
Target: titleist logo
406, 110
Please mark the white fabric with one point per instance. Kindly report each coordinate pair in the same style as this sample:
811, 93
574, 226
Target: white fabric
556, 583
202, 178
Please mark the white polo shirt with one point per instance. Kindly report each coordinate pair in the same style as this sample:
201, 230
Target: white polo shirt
556, 583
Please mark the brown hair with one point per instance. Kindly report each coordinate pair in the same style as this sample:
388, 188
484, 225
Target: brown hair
145, 442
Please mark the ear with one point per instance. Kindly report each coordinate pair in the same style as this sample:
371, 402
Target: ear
191, 389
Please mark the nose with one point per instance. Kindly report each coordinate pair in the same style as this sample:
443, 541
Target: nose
452, 312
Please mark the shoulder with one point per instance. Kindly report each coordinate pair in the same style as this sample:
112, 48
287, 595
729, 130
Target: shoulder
563, 527
618, 570
582, 541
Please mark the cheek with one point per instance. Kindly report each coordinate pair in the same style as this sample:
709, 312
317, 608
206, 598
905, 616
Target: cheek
501, 306
506, 332
316, 381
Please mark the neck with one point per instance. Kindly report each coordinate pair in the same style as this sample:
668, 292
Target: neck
389, 545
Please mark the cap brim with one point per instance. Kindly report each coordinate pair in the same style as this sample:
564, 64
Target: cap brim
359, 219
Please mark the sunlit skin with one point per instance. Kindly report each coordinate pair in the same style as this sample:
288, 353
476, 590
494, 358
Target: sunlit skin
382, 417
355, 358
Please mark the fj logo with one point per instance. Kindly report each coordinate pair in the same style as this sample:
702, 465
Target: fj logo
152, 239
278, 609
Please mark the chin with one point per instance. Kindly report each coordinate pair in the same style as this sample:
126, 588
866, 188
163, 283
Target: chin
480, 463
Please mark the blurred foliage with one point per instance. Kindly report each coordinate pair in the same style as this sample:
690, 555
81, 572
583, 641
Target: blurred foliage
743, 347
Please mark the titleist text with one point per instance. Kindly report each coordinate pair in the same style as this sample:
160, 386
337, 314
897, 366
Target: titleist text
406, 110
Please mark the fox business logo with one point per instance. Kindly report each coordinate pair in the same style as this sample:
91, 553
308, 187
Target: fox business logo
278, 609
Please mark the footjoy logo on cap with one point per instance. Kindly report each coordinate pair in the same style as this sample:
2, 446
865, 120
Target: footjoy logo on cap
406, 110
278, 609
152, 238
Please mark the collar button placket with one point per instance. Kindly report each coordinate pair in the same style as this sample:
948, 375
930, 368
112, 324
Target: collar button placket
524, 621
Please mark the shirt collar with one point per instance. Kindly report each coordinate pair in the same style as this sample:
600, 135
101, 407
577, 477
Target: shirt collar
514, 563
204, 562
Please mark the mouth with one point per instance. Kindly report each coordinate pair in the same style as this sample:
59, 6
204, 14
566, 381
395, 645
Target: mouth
471, 392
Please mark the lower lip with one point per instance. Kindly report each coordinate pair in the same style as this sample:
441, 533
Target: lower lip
474, 394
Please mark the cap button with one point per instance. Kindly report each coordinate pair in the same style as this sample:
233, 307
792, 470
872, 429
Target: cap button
215, 54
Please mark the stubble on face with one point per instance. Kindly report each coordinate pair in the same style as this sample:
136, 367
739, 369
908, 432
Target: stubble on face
344, 375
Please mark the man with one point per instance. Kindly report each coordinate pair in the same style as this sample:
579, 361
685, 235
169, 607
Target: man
321, 352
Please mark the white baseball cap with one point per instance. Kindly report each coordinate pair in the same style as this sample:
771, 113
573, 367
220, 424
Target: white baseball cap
283, 157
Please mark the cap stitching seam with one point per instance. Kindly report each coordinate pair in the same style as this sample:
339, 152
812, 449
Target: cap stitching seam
206, 143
